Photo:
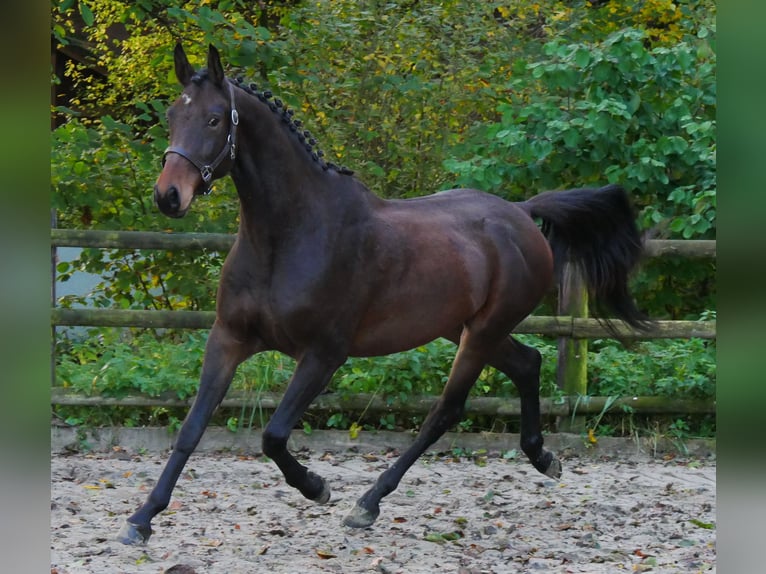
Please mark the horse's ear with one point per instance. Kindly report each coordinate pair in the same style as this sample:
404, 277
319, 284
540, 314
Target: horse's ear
214, 68
184, 71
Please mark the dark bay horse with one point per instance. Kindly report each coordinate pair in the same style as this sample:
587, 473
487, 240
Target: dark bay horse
322, 269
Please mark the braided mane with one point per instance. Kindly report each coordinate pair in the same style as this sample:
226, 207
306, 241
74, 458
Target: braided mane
294, 125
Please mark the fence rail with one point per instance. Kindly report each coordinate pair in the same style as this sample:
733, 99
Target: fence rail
559, 326
688, 248
414, 405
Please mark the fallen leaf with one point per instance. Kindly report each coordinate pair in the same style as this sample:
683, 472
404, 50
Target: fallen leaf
442, 537
399, 519
705, 525
324, 555
92, 486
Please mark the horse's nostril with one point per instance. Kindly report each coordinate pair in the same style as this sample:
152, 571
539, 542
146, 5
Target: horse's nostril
168, 202
173, 198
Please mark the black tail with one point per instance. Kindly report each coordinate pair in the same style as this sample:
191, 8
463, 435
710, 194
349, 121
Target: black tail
595, 229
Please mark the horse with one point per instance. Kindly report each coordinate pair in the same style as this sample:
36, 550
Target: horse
322, 269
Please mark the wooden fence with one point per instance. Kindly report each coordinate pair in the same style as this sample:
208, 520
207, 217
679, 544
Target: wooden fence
571, 326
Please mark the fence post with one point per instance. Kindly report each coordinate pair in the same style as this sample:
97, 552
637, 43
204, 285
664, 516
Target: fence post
572, 365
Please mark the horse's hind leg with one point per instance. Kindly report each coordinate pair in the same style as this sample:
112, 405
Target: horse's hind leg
446, 412
222, 356
521, 364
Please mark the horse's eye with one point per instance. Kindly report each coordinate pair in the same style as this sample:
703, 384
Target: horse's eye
212, 122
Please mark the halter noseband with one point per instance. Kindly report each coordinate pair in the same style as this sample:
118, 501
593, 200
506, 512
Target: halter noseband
206, 170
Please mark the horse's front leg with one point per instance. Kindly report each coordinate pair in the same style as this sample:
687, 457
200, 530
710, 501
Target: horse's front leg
312, 374
222, 356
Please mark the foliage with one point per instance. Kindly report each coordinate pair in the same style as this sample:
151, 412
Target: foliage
611, 109
666, 368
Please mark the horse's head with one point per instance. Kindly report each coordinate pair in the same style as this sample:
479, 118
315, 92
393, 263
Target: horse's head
203, 123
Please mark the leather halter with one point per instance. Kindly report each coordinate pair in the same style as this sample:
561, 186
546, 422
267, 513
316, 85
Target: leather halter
230, 147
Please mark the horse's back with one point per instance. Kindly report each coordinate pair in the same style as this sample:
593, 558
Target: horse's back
469, 219
438, 260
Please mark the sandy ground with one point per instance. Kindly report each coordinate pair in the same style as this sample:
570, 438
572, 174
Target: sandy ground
235, 514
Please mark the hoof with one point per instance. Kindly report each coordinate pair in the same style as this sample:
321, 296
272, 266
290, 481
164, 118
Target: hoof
324, 496
360, 517
554, 468
324, 493
132, 534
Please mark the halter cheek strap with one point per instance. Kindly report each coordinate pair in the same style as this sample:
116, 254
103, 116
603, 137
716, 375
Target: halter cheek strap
206, 170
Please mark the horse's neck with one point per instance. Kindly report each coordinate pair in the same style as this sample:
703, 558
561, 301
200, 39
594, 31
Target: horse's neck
282, 190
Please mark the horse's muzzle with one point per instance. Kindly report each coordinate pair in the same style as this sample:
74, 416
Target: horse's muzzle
169, 203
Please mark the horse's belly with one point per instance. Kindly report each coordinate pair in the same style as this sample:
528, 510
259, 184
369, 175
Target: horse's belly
394, 336
395, 325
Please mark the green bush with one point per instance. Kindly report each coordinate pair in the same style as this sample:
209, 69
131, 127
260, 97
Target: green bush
669, 368
611, 110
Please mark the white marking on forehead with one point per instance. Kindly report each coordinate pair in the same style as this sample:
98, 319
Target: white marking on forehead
186, 98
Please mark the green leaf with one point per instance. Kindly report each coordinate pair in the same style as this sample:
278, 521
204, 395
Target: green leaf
602, 124
572, 139
678, 225
86, 13
582, 57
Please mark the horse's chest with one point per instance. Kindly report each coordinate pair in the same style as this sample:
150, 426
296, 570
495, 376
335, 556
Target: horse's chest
283, 312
